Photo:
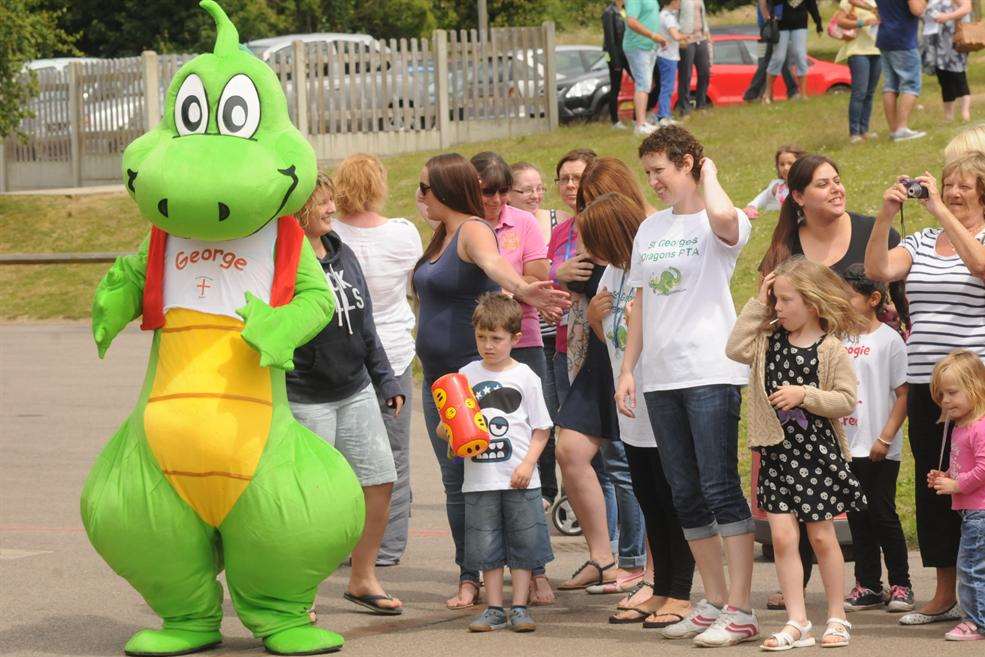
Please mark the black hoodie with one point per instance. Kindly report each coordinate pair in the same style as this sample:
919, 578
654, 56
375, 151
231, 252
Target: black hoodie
347, 354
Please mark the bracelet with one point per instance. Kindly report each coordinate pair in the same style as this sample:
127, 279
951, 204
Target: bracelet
884, 442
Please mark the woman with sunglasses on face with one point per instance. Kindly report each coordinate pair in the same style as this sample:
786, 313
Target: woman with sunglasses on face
460, 263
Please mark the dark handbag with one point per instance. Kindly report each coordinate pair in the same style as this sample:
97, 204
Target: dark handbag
770, 31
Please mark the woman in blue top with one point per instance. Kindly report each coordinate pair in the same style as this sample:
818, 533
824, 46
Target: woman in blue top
460, 263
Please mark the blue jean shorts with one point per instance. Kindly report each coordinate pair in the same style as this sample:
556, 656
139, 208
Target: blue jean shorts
697, 431
641, 63
901, 72
506, 528
790, 49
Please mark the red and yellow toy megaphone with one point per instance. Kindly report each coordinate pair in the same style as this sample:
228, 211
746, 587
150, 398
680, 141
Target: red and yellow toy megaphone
460, 415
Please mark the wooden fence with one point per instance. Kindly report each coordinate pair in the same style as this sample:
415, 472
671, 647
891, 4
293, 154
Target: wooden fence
389, 97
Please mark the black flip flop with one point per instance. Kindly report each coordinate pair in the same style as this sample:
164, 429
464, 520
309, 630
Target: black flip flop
653, 625
642, 614
371, 602
598, 580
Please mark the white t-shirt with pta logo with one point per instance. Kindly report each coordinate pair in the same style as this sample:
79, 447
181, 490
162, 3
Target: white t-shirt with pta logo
214, 277
879, 359
512, 402
684, 270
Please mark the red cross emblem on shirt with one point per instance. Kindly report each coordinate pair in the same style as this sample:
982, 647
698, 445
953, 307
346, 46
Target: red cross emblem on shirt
202, 285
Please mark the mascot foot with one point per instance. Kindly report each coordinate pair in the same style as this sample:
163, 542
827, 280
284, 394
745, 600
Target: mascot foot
305, 640
171, 642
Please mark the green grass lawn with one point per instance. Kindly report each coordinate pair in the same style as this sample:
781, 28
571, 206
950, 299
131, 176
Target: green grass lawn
740, 139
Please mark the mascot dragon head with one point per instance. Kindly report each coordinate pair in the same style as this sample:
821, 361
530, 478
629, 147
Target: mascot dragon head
225, 159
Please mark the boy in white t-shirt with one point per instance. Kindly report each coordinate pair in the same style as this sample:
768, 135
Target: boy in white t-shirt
504, 518
668, 56
875, 436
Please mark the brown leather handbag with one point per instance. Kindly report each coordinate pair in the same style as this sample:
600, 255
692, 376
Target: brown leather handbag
969, 37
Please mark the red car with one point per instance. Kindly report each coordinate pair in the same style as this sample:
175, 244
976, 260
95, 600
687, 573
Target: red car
733, 67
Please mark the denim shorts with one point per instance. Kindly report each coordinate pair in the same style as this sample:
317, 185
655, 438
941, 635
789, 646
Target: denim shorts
506, 528
901, 71
641, 63
697, 431
354, 426
792, 49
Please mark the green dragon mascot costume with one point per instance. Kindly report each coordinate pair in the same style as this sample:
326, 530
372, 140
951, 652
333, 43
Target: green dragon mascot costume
211, 471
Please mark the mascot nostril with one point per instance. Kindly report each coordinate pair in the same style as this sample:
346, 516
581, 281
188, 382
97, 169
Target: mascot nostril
211, 467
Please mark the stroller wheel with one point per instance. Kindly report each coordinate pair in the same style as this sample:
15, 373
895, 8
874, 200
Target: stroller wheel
563, 517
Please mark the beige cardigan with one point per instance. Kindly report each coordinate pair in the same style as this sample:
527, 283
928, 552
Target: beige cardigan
835, 398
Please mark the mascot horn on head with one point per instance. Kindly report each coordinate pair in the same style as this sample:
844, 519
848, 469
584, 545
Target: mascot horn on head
211, 471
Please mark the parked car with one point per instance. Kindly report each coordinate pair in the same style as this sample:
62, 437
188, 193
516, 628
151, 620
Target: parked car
267, 48
582, 82
733, 66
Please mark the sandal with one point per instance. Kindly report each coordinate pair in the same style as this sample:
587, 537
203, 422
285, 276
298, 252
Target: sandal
629, 595
621, 585
475, 597
640, 616
784, 640
837, 628
599, 579
776, 602
655, 624
372, 602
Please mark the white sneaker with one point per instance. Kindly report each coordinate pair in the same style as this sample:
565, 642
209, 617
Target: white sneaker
667, 121
702, 616
618, 125
731, 627
905, 134
645, 130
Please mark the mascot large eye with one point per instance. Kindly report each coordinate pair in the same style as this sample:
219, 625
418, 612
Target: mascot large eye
239, 108
191, 107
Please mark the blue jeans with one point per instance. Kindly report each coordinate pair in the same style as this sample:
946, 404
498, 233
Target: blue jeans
971, 567
506, 528
668, 76
540, 361
865, 76
629, 542
697, 432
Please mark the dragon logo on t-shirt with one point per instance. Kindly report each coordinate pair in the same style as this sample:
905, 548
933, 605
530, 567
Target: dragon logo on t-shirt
666, 282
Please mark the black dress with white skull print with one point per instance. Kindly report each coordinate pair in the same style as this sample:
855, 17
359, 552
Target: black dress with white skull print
806, 474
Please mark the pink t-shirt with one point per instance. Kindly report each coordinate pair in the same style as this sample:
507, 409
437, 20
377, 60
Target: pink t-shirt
520, 242
968, 465
562, 246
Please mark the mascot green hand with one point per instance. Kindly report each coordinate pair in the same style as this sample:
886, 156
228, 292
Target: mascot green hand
211, 471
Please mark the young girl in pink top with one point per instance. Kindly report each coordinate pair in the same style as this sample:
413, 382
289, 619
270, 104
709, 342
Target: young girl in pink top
958, 387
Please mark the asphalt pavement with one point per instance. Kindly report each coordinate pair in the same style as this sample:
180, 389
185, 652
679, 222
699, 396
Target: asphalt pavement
59, 405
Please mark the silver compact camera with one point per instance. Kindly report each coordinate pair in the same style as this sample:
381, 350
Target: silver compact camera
915, 189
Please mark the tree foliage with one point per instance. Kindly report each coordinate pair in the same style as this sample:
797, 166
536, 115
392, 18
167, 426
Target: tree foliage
26, 33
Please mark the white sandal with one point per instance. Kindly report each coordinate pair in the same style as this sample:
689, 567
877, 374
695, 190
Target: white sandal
786, 641
841, 632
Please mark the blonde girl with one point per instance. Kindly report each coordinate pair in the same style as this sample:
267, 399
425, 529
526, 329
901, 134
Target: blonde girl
802, 378
958, 387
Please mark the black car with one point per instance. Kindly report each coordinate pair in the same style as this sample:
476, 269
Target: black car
582, 82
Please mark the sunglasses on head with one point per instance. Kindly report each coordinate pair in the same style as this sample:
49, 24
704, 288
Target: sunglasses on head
498, 190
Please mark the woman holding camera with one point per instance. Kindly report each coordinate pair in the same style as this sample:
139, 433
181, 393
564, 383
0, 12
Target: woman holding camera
944, 270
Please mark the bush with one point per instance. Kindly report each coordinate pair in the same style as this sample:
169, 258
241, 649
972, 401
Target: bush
394, 19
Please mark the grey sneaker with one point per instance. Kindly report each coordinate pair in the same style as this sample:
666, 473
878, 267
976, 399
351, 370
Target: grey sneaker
905, 134
900, 599
645, 130
700, 619
493, 618
520, 620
